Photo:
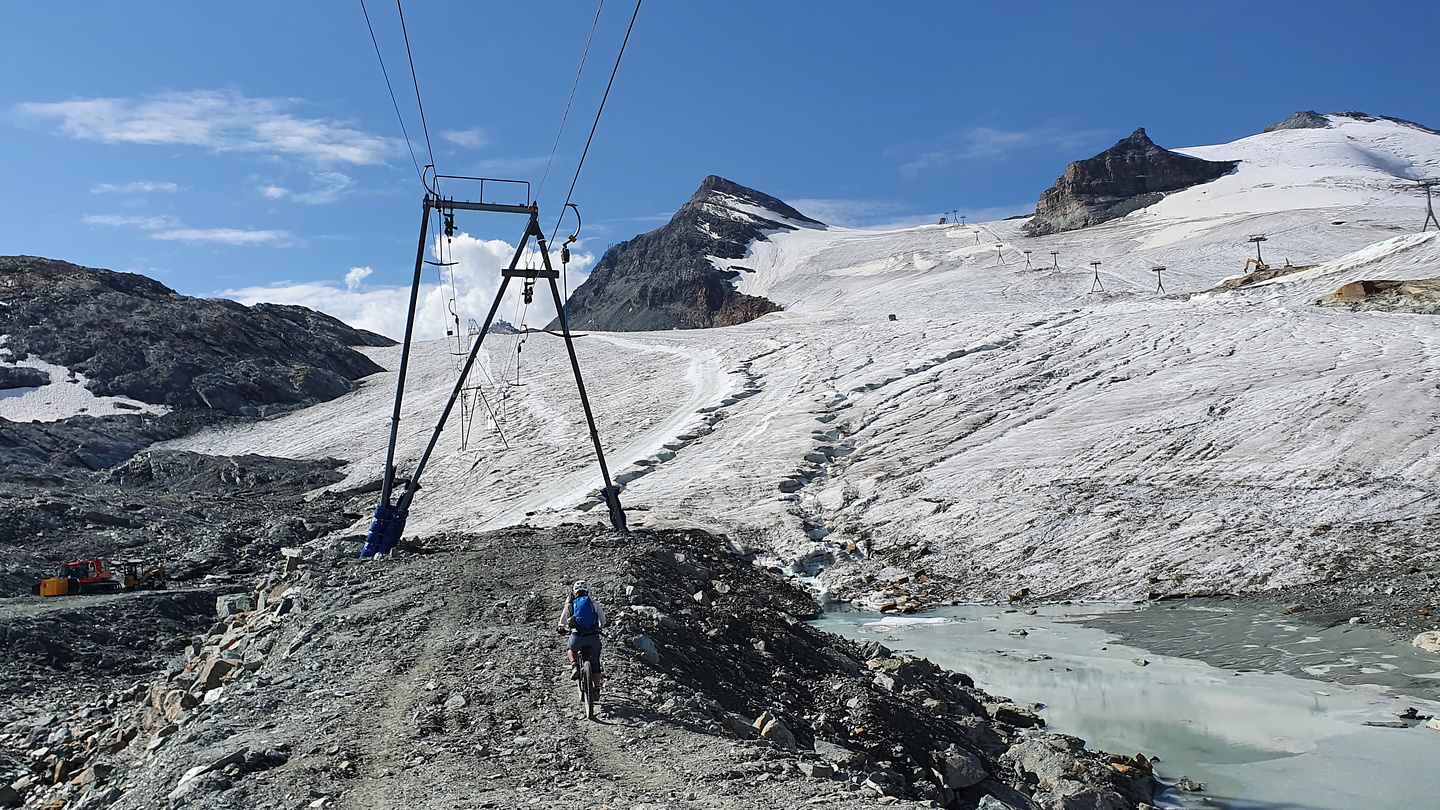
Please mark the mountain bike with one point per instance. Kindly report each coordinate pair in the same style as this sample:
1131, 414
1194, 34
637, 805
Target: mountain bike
584, 673
586, 682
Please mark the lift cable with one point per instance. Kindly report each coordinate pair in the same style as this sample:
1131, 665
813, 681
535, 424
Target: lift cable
386, 74
573, 87
416, 80
593, 126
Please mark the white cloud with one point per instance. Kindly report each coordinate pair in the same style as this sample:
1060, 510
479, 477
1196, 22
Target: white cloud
468, 138
274, 192
143, 186
143, 223
224, 236
223, 120
383, 309
512, 166
848, 213
984, 143
170, 229
356, 276
326, 188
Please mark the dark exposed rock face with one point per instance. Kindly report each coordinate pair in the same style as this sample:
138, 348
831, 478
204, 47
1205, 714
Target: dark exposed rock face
1308, 119
665, 279
22, 377
134, 336
1126, 177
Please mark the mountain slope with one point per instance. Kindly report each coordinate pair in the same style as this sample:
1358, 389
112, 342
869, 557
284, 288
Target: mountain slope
681, 275
132, 336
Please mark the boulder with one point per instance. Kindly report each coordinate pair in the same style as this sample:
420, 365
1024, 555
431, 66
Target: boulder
176, 702
817, 770
958, 768
213, 672
234, 604
184, 785
1013, 715
887, 682
649, 653
778, 733
655, 615
844, 662
739, 725
1046, 758
886, 783
1429, 641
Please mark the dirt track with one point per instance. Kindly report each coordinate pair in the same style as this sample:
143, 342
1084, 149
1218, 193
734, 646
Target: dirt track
436, 680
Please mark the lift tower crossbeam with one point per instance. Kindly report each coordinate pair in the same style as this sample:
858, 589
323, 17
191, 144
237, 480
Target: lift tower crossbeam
390, 517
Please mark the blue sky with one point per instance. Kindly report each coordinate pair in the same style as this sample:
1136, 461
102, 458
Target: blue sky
250, 149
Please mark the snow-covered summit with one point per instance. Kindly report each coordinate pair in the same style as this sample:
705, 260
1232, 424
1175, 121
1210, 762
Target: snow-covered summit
1358, 160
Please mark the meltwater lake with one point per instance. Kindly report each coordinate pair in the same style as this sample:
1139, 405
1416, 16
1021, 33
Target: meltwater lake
1275, 720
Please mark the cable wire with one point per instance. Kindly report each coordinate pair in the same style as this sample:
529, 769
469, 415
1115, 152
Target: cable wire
573, 87
386, 74
415, 79
603, 99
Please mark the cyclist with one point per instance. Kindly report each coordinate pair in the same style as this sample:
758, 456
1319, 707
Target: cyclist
583, 618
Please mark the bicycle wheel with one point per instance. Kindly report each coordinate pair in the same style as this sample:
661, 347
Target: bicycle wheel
587, 691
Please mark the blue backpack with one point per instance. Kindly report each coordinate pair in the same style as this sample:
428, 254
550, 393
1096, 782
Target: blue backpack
587, 618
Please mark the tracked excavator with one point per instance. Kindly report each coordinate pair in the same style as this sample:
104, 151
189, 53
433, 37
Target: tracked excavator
96, 576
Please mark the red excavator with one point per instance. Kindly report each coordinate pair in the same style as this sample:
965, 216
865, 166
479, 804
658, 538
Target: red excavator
93, 576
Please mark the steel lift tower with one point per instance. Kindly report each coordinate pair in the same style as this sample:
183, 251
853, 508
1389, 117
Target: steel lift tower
390, 516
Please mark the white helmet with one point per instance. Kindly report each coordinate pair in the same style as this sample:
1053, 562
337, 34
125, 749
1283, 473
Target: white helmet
580, 586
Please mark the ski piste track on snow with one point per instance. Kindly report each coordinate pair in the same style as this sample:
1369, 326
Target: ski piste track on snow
1007, 429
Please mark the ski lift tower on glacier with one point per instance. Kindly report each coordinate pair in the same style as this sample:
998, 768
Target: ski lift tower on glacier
390, 516
1427, 185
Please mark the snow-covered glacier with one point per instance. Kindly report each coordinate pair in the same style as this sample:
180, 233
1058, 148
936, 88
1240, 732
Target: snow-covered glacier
950, 410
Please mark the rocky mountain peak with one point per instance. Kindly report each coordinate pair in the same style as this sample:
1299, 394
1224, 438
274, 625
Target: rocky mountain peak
682, 275
1128, 176
1305, 119
716, 189
1138, 143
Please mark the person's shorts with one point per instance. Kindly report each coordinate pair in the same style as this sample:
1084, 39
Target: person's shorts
591, 643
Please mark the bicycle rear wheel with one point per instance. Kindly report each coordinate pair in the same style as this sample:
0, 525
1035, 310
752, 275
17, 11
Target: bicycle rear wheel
587, 690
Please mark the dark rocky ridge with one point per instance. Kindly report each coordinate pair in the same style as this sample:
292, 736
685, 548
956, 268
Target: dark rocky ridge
133, 336
1126, 177
664, 279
